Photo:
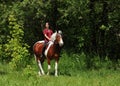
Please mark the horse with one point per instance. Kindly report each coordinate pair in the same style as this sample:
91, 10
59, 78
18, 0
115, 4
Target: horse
52, 51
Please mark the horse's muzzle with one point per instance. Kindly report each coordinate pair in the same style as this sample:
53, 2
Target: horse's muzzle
61, 43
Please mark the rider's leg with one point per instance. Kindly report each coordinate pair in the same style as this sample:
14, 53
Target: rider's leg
43, 50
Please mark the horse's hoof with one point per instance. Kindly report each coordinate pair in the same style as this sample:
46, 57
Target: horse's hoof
48, 73
39, 73
56, 75
43, 74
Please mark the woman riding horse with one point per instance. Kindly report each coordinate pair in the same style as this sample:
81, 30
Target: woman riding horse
47, 32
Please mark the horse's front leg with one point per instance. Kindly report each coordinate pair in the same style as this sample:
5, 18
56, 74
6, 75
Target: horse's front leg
56, 68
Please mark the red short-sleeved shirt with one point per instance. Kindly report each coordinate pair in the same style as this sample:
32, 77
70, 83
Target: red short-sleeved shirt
48, 32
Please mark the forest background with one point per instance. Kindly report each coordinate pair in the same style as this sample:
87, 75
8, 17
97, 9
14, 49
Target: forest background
91, 32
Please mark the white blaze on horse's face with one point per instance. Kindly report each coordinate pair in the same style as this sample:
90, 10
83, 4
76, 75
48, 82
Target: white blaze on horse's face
61, 41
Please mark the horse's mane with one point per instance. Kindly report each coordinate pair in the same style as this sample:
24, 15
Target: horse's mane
53, 37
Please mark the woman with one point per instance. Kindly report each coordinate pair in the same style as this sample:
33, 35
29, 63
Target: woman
47, 32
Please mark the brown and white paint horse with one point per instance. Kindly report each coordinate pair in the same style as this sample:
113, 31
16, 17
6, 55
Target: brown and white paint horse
52, 52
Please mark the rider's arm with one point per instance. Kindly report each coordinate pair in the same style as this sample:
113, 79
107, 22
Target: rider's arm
47, 37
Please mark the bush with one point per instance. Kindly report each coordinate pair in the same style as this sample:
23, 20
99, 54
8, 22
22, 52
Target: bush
71, 63
16, 49
20, 58
29, 71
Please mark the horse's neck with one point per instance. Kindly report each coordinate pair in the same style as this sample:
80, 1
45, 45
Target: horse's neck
56, 47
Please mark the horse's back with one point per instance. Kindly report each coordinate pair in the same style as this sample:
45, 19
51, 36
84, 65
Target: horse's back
37, 48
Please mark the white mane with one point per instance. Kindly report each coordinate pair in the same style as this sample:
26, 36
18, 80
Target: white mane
53, 37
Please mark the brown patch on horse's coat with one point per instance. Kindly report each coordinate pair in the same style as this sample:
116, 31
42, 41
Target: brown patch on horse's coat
55, 55
38, 49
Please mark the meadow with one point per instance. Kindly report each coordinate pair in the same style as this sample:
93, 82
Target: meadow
91, 34
101, 77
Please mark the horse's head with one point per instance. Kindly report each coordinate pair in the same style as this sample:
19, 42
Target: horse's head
57, 38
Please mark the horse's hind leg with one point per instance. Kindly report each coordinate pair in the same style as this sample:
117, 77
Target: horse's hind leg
41, 69
41, 72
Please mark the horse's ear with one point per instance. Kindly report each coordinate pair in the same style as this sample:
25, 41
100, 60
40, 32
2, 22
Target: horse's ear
56, 31
60, 32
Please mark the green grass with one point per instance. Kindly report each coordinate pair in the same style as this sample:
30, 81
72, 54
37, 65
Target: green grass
82, 78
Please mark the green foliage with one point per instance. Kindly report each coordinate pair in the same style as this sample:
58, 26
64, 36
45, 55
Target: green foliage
103, 27
1, 52
88, 26
15, 47
66, 65
72, 21
29, 71
71, 64
20, 58
3, 29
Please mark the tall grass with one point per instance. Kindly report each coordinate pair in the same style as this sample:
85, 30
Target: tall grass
84, 78
73, 71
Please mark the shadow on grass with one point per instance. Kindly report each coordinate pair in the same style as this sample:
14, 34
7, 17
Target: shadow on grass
3, 72
60, 74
